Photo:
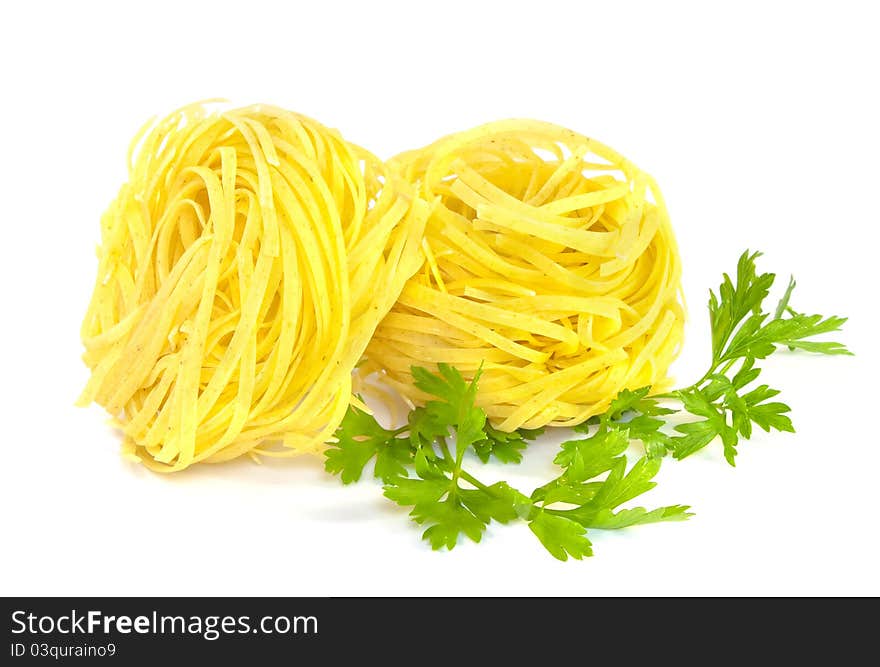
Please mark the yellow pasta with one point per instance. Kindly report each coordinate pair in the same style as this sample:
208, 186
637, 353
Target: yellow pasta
242, 271
549, 261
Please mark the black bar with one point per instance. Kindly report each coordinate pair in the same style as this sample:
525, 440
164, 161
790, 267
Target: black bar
262, 631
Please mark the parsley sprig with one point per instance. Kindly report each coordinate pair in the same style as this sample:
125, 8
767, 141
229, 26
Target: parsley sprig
421, 470
743, 331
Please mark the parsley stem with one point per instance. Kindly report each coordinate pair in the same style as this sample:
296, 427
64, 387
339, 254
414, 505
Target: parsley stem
456, 472
712, 371
705, 377
675, 393
466, 476
447, 455
727, 366
671, 395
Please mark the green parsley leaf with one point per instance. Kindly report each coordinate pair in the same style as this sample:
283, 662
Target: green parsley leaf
447, 520
757, 340
766, 415
409, 492
499, 502
429, 466
456, 406
607, 520
640, 415
597, 501
626, 401
425, 426
619, 487
647, 429
562, 537
504, 447
360, 438
746, 374
696, 435
783, 302
585, 458
737, 301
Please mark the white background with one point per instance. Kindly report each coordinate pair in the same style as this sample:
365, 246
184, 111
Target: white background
760, 122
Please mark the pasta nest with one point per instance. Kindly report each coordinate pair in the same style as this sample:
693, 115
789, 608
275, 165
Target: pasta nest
550, 264
242, 270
